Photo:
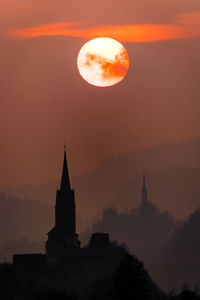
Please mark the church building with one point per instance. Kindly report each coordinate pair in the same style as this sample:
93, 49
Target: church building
63, 245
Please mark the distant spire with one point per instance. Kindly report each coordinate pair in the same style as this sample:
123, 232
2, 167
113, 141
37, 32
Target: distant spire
65, 183
144, 190
144, 180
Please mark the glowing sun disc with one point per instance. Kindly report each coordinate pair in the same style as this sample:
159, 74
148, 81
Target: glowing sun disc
103, 62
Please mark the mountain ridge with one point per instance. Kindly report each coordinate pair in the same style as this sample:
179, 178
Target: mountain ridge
96, 190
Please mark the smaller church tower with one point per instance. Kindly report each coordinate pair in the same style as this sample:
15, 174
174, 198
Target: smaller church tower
146, 207
144, 191
63, 236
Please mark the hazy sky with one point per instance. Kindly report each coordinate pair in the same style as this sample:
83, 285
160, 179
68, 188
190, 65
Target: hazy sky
44, 102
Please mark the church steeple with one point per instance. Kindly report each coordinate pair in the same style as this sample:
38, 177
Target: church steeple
144, 191
65, 182
63, 235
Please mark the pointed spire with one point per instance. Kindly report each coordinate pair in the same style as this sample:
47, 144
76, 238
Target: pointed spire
144, 190
65, 182
144, 180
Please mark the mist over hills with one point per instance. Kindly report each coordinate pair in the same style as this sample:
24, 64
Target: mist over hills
170, 249
24, 224
155, 237
176, 190
173, 177
173, 182
104, 184
23, 218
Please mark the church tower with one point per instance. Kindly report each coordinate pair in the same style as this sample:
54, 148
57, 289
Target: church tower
144, 192
146, 206
63, 236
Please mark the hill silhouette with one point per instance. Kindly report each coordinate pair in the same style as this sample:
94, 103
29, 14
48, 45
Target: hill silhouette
24, 223
100, 188
21, 218
169, 249
176, 190
144, 230
181, 254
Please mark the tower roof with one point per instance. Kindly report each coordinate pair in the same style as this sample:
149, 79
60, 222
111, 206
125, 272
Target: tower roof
65, 182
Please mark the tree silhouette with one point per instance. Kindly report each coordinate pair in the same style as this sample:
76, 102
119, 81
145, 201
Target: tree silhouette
188, 295
131, 280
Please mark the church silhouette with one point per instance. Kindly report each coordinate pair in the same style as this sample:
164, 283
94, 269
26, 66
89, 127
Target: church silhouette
63, 235
63, 244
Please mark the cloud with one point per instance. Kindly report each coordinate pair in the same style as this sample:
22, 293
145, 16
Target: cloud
189, 19
110, 69
186, 26
57, 29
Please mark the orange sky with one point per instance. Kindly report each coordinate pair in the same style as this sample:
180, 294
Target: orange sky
44, 102
185, 26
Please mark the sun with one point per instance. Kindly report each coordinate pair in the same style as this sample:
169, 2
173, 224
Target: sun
103, 62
